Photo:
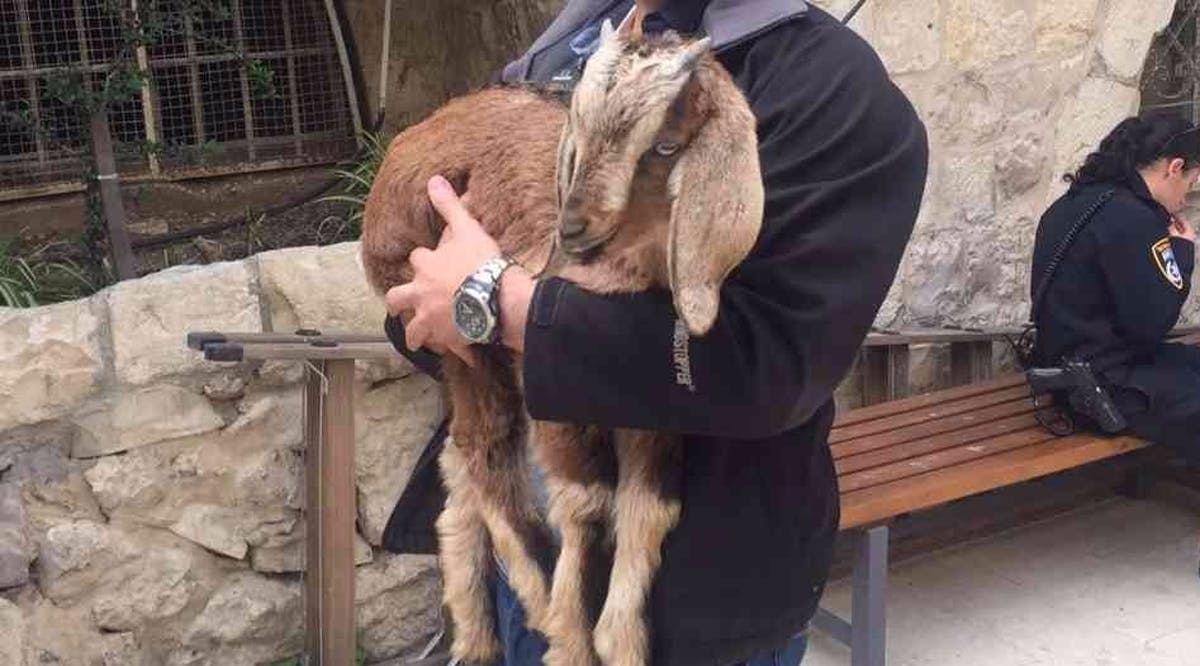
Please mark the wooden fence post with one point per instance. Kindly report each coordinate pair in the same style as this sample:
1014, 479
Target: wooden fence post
110, 196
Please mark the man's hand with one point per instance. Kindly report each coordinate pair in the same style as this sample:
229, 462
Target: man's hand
426, 302
1181, 228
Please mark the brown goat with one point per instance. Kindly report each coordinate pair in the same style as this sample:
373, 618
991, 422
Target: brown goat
658, 185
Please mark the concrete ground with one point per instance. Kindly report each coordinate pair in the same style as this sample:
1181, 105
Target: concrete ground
1111, 583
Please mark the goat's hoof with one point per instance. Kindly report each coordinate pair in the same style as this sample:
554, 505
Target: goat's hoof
477, 647
621, 639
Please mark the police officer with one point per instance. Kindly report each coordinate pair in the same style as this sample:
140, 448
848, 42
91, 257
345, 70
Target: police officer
844, 159
1117, 288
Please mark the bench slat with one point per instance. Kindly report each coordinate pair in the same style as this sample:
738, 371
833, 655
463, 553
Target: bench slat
883, 410
934, 412
939, 460
966, 437
961, 420
877, 503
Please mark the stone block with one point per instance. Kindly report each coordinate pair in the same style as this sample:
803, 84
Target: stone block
1088, 117
12, 628
217, 528
392, 425
158, 587
321, 288
907, 35
983, 33
140, 417
250, 619
152, 316
50, 360
1063, 28
399, 600
1127, 32
16, 552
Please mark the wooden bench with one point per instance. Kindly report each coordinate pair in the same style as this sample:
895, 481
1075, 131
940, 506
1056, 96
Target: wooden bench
903, 456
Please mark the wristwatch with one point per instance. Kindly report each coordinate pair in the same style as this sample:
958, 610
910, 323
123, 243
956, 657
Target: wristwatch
477, 302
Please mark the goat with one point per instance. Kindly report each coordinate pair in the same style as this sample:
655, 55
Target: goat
649, 179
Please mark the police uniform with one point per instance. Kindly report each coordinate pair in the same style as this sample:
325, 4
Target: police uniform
1112, 300
844, 159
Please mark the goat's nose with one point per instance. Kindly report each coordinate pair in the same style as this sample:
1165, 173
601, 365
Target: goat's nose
573, 223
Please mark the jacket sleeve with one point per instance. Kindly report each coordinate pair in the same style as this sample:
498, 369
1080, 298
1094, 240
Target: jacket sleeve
844, 159
1149, 275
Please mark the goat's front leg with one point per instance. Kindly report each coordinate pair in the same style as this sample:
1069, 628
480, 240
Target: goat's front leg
580, 470
464, 553
646, 510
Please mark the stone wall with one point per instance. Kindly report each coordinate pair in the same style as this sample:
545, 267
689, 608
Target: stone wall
150, 501
1014, 93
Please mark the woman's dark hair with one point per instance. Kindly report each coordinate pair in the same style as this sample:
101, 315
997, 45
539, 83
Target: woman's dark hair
1137, 142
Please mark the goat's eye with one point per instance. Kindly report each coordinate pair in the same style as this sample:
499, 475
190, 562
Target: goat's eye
666, 148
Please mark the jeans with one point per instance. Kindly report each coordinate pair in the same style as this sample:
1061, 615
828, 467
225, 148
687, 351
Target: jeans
523, 647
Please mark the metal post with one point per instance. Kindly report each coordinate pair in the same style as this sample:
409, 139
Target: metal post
347, 70
868, 611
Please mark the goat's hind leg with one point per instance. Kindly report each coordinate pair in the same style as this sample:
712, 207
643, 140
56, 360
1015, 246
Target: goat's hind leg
580, 470
489, 429
464, 552
646, 509
490, 425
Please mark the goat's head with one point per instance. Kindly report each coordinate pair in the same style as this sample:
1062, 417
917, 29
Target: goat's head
658, 130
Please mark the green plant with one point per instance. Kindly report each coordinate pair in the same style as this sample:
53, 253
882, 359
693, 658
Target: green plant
358, 176
34, 279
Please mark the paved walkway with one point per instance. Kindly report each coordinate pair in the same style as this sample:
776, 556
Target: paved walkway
1114, 583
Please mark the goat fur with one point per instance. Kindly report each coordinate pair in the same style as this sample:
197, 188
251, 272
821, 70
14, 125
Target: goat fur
680, 220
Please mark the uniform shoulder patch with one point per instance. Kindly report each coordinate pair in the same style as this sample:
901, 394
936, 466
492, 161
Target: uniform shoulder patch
1164, 258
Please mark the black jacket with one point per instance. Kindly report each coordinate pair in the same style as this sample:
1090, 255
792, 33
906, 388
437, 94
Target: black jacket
1119, 289
844, 160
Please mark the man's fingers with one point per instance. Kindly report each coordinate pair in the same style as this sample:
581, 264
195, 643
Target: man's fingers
467, 353
418, 258
447, 204
416, 332
401, 299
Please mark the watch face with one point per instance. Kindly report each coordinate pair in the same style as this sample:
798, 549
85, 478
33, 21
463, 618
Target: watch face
471, 317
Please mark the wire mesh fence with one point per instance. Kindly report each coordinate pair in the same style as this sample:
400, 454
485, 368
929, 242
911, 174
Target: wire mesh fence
221, 84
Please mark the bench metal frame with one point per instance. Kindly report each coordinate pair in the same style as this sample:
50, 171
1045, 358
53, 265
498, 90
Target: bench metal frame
866, 631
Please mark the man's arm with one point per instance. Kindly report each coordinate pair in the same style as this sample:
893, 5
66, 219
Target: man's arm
1147, 290
844, 160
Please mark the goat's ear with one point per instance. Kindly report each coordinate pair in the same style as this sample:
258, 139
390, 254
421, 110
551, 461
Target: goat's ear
564, 169
716, 214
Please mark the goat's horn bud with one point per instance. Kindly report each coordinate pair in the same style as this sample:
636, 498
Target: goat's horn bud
694, 52
606, 31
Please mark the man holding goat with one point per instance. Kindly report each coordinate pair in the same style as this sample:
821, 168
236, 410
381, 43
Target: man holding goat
843, 157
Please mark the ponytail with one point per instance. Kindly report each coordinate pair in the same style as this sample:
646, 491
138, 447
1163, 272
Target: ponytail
1135, 143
